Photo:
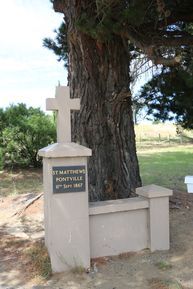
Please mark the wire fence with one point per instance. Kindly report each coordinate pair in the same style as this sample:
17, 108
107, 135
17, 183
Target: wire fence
161, 134
163, 138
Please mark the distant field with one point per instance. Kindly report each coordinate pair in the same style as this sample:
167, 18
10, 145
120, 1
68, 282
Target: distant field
161, 161
166, 133
153, 130
164, 162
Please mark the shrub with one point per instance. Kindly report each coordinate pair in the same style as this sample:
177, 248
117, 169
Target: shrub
23, 132
1, 159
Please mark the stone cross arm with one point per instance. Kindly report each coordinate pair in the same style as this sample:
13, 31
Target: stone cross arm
63, 105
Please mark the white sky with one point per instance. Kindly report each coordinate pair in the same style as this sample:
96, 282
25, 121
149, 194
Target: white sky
28, 71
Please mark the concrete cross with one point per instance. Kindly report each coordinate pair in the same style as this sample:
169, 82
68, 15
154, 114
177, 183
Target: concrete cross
63, 104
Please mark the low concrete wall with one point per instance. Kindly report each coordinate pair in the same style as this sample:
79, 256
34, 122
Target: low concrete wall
120, 226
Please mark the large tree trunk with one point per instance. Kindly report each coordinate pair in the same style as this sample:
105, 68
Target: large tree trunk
99, 75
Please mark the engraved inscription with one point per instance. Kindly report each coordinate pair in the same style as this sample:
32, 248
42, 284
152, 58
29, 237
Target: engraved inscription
68, 179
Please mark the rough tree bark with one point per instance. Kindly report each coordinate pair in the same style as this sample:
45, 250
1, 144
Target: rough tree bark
99, 75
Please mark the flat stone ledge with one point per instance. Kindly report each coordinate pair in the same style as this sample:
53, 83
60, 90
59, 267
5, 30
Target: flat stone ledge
113, 206
188, 180
59, 150
153, 191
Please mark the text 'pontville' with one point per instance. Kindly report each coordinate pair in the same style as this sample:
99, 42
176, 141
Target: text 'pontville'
68, 179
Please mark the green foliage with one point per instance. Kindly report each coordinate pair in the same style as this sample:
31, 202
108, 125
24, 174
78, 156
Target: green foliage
23, 132
169, 94
163, 265
143, 23
59, 45
1, 159
87, 25
110, 17
135, 13
101, 21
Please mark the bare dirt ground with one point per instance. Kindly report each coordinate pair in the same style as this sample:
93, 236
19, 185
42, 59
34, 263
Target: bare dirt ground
171, 269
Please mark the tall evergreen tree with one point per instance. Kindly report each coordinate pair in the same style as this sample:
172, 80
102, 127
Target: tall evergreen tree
98, 33
169, 94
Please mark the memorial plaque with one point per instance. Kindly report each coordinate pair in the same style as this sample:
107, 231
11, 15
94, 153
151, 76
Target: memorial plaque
68, 179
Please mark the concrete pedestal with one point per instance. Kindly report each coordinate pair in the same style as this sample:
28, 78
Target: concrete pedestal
189, 182
66, 205
158, 219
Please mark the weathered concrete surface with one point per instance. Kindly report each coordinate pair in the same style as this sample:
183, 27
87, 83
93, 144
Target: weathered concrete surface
135, 271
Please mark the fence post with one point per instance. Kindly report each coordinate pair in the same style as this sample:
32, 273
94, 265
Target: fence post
181, 139
169, 138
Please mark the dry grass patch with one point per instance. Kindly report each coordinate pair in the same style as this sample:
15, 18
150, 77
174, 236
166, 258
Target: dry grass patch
39, 261
156, 283
11, 248
78, 270
19, 253
163, 265
20, 181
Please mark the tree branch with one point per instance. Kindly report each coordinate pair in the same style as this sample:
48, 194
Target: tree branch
166, 61
172, 41
171, 20
151, 35
149, 42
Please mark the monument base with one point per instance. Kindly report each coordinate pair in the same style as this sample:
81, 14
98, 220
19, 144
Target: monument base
66, 205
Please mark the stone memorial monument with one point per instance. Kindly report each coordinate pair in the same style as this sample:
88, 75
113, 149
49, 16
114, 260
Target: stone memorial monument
76, 231
66, 190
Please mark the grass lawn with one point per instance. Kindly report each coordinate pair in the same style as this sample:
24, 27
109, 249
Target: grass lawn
20, 181
159, 164
166, 166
